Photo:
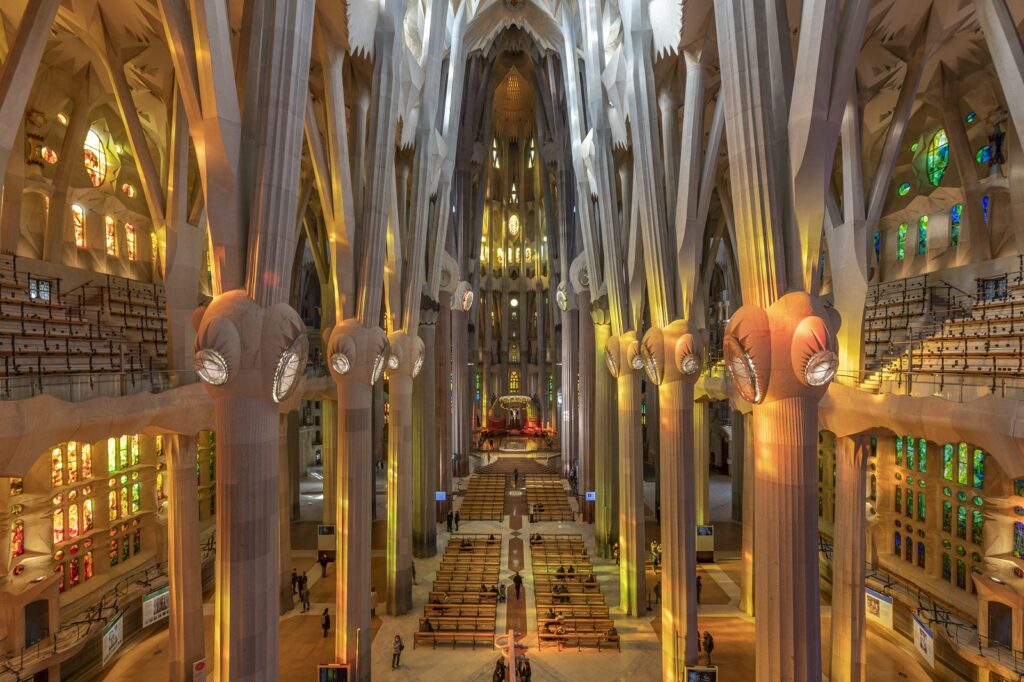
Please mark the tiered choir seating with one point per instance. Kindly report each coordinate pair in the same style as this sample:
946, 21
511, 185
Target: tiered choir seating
889, 311
570, 606
45, 331
461, 606
545, 493
485, 498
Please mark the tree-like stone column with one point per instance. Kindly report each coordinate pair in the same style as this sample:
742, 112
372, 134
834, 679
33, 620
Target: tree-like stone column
251, 358
606, 425
405, 354
848, 560
702, 460
781, 360
622, 355
673, 358
585, 404
184, 563
356, 356
424, 437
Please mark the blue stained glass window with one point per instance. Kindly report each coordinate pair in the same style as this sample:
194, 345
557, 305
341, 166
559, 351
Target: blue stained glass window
955, 214
979, 469
897, 543
984, 208
878, 246
920, 555
984, 154
971, 117
938, 157
922, 235
1018, 540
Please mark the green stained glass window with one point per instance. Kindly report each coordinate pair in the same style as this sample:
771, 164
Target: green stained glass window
947, 567
909, 504
904, 189
976, 557
977, 526
947, 462
898, 499
961, 495
955, 215
947, 492
977, 501
914, 147
922, 235
899, 455
971, 117
901, 242
984, 154
937, 157
962, 464
1018, 487
911, 452
961, 575
947, 516
979, 469
961, 522
921, 504
922, 455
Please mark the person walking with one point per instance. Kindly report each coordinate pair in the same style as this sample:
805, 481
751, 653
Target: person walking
308, 595
295, 581
456, 520
325, 622
396, 652
700, 586
373, 601
449, 519
323, 565
517, 580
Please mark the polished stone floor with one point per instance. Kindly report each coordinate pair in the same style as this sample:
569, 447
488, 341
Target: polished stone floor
302, 644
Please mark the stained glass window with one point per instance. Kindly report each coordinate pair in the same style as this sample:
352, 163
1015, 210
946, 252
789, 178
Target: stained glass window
111, 455
947, 462
17, 538
908, 552
979, 469
124, 502
111, 230
136, 499
160, 495
920, 554
922, 455
136, 542
984, 208
112, 505
513, 380
904, 189
901, 242
72, 462
947, 516
87, 516
938, 157
911, 452
898, 499
920, 506
1018, 487
95, 159
58, 526
899, 451
17, 486
56, 467
922, 235
961, 522
78, 225
962, 464
122, 452
1018, 540
878, 246
961, 574
908, 506
947, 567
897, 544
87, 566
971, 117
977, 526
135, 449
130, 241
954, 223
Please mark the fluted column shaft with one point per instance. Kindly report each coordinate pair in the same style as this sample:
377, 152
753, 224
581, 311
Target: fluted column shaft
605, 448
788, 625
444, 390
702, 460
631, 496
246, 638
570, 335
184, 563
747, 553
585, 402
329, 457
462, 405
400, 494
848, 559
354, 478
288, 439
424, 448
678, 543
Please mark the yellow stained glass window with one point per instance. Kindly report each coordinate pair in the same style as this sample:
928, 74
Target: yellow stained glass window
58, 526
135, 449
111, 228
112, 505
57, 467
95, 159
86, 460
72, 521
131, 241
72, 462
78, 224
111, 455
87, 516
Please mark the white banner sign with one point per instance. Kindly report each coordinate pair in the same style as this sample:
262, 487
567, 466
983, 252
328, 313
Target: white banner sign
924, 641
113, 637
878, 607
156, 606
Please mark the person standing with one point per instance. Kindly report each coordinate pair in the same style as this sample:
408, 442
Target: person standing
449, 519
323, 565
373, 601
517, 580
515, 478
456, 520
396, 651
325, 622
700, 586
615, 553
295, 581
305, 598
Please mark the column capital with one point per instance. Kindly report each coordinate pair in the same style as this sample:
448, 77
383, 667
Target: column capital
599, 311
788, 350
356, 352
674, 352
406, 354
622, 355
243, 349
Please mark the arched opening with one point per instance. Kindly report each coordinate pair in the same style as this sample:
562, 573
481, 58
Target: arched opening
1000, 624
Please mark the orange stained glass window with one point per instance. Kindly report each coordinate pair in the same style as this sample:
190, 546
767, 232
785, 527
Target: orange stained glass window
112, 505
111, 228
87, 565
72, 521
57, 467
78, 223
95, 159
58, 526
17, 538
130, 240
86, 460
72, 462
87, 516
